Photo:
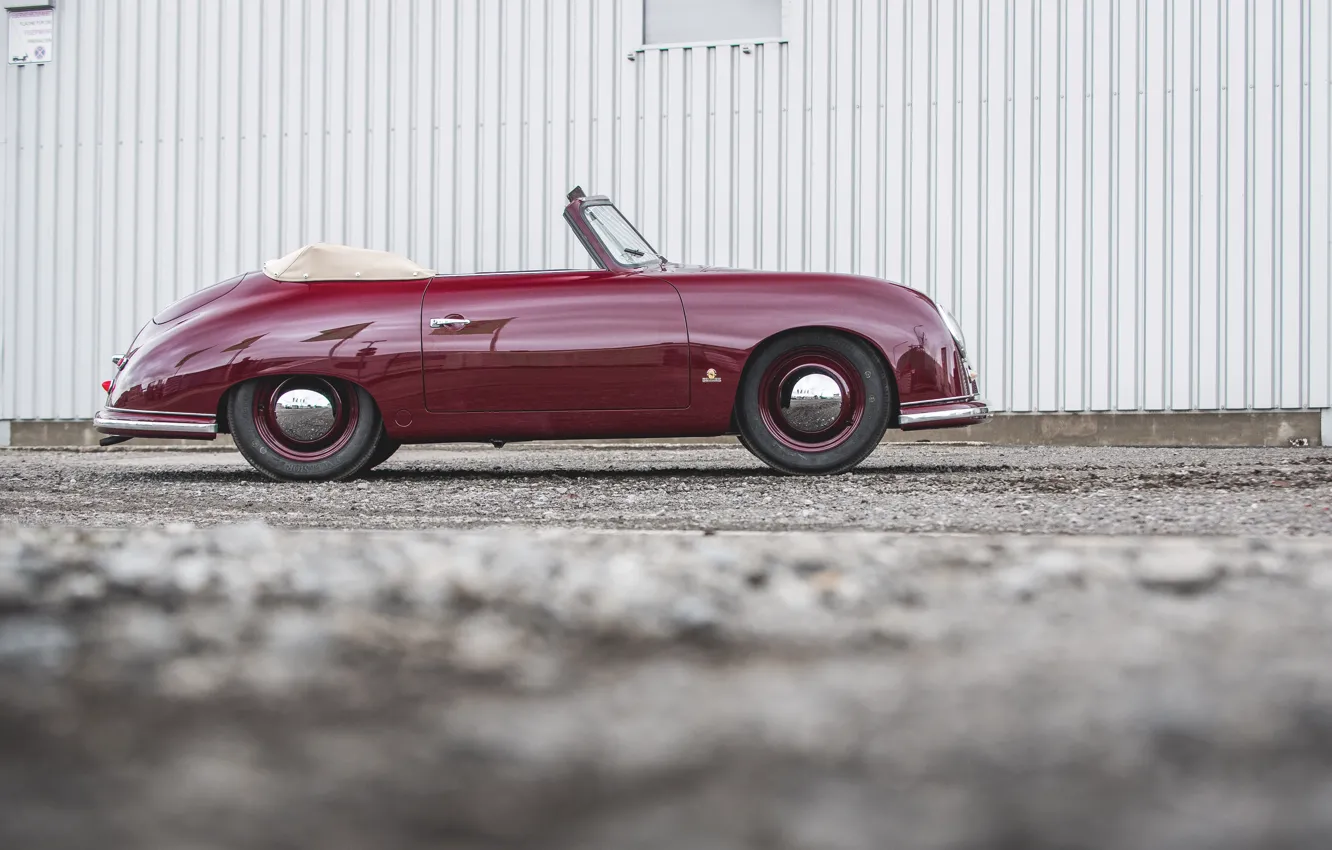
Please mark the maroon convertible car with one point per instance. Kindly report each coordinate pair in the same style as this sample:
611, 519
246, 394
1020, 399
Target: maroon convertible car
324, 363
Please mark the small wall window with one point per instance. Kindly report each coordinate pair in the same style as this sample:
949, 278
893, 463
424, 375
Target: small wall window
686, 21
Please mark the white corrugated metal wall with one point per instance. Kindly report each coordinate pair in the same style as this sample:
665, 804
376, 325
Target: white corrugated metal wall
1125, 201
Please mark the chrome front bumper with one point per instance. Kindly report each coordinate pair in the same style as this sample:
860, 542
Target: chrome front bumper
155, 423
944, 415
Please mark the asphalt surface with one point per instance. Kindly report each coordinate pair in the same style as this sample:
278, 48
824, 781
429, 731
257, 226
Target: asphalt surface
904, 487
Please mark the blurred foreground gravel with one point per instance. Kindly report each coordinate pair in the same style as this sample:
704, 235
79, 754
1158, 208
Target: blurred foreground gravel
902, 487
241, 687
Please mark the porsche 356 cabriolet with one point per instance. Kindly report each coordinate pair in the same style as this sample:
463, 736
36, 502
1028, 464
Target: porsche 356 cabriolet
325, 362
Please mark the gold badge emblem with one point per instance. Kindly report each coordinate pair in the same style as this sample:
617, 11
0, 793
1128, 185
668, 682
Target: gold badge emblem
711, 377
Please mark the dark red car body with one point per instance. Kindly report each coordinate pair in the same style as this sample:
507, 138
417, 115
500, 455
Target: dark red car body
604, 353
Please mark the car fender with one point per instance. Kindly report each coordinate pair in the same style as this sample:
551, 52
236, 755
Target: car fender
363, 332
731, 313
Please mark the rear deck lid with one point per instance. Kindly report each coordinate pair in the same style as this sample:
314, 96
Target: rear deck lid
194, 301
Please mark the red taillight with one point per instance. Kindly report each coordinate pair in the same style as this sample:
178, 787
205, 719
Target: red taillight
106, 386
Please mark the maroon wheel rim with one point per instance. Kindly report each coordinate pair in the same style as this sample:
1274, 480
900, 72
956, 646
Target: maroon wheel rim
811, 399
305, 419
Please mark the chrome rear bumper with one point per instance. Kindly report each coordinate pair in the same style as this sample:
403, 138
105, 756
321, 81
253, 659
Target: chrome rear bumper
154, 423
947, 415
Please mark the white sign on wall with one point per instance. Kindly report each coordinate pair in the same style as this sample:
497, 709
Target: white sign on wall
31, 36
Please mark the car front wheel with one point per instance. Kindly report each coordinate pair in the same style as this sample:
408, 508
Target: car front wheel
814, 402
305, 428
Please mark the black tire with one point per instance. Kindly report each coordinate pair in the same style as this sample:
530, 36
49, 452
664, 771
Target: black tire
342, 453
821, 435
385, 450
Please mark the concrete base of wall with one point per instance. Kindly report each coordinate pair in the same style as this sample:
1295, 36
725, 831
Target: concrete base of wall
51, 433
1240, 428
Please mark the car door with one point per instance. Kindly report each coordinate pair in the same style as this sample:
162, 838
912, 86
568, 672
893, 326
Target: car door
548, 341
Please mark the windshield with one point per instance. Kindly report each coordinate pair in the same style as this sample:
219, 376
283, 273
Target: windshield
623, 242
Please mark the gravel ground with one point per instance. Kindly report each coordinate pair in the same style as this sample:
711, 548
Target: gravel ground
244, 687
904, 487
179, 669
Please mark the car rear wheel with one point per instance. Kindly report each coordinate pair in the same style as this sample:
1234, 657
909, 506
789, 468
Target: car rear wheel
385, 450
305, 428
814, 402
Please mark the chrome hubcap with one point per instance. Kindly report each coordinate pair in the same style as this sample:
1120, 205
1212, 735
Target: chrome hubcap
305, 414
815, 403
811, 399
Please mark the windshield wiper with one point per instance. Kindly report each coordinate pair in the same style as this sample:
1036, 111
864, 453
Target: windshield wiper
635, 252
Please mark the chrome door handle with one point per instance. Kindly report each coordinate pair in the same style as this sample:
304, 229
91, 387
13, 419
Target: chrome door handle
454, 322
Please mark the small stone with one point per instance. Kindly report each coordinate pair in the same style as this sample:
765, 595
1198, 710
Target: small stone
15, 588
1019, 585
692, 615
486, 643
76, 588
136, 564
1184, 574
139, 635
193, 678
245, 538
757, 579
35, 643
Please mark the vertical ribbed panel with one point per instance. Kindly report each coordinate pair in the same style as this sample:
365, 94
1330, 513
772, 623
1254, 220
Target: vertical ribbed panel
1126, 202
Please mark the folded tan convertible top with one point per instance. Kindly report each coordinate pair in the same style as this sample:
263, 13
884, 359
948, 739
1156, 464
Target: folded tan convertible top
322, 261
